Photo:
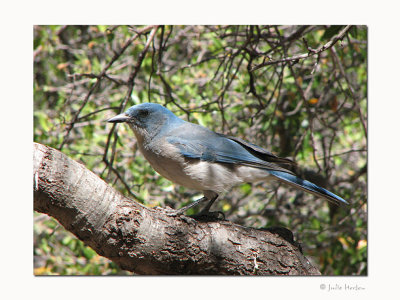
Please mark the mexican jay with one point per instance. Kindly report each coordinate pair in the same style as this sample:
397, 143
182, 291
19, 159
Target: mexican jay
198, 158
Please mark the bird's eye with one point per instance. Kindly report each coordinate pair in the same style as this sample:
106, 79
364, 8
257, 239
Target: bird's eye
143, 113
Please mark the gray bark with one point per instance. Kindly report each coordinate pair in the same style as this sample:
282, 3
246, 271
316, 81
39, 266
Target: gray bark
147, 241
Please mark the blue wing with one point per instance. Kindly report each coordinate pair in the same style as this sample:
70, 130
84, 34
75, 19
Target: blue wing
198, 142
207, 145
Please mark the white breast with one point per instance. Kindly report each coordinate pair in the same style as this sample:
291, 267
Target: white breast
196, 174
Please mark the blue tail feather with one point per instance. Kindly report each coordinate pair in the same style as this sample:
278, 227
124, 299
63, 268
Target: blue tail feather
307, 186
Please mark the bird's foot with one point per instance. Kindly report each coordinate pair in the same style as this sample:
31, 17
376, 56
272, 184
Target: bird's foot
201, 216
206, 216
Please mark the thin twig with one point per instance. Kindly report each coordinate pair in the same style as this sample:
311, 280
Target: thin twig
342, 153
351, 89
131, 84
97, 83
327, 46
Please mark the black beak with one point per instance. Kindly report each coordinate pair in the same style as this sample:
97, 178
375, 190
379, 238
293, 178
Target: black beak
121, 118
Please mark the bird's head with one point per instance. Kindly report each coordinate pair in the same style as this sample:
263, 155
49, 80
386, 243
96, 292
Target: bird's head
147, 119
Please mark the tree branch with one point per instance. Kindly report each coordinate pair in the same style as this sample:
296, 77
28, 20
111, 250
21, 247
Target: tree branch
147, 241
99, 78
311, 52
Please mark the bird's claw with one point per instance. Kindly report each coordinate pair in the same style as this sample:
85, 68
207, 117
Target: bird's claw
203, 216
209, 216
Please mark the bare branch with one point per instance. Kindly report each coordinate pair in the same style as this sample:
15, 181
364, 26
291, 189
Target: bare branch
351, 89
311, 52
98, 80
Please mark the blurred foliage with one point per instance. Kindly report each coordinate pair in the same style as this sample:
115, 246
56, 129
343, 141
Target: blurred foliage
58, 252
227, 78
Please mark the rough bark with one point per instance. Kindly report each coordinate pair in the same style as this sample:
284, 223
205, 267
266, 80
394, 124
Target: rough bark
147, 241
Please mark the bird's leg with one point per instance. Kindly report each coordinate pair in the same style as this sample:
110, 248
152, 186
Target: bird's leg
185, 208
205, 214
206, 209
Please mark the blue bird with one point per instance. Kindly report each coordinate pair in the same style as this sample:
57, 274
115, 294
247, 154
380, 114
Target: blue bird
200, 159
